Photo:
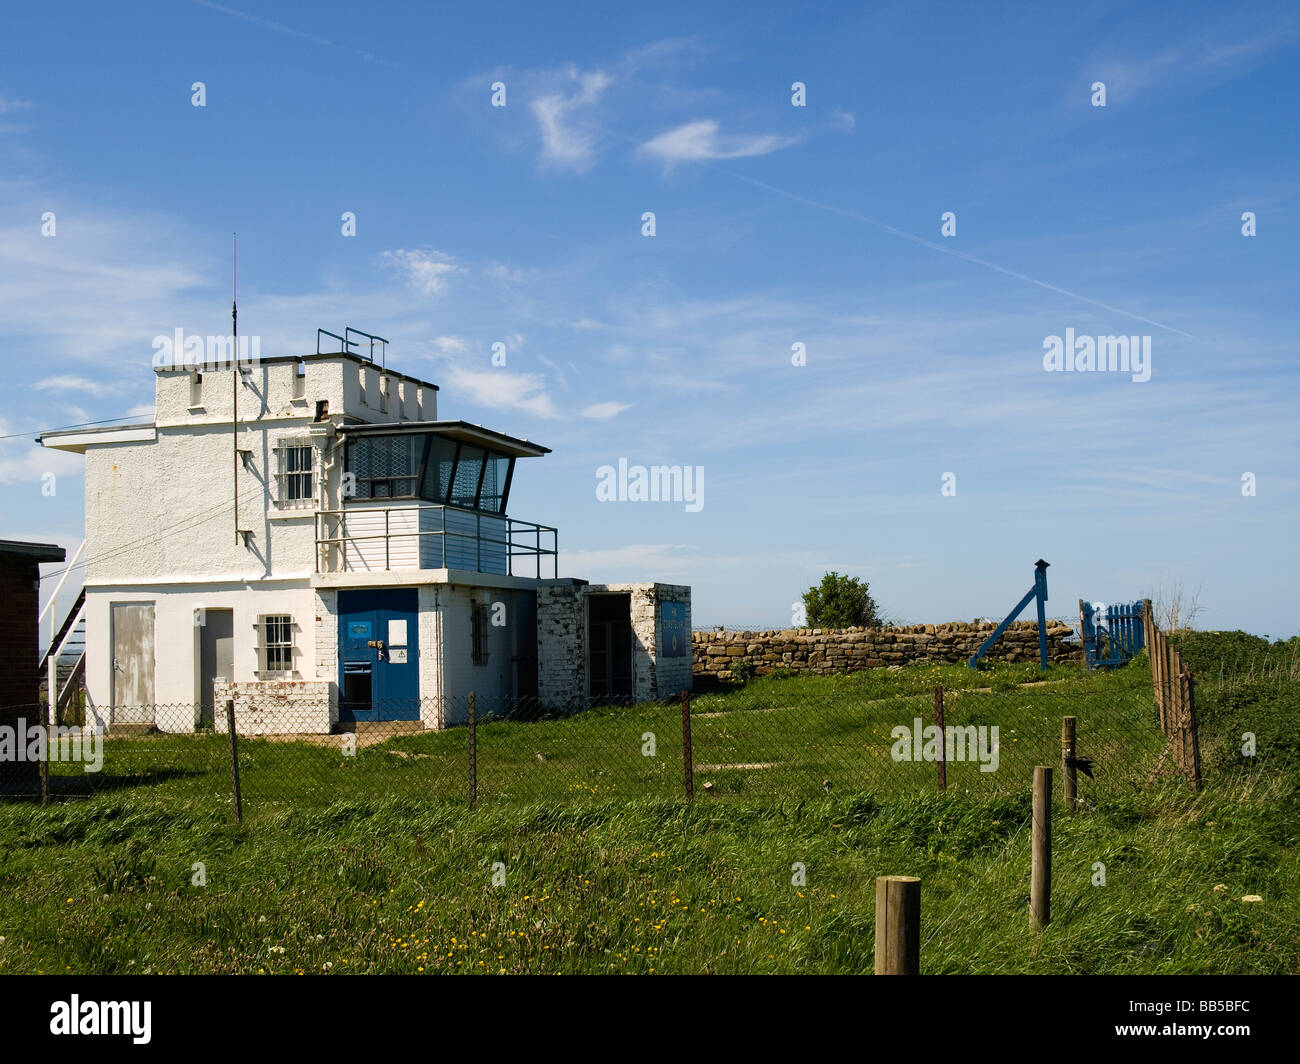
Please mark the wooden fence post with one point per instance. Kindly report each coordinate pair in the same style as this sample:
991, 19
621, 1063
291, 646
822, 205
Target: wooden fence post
1040, 888
898, 925
473, 751
1169, 680
1189, 739
688, 755
44, 767
942, 761
1070, 773
234, 759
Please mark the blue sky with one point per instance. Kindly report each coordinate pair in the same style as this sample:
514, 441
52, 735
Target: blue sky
775, 225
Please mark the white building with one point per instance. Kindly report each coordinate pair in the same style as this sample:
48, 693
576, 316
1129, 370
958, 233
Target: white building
339, 555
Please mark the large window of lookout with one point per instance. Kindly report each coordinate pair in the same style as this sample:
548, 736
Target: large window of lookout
429, 467
385, 467
437, 469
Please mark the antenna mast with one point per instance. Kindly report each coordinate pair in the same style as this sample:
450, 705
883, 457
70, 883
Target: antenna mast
234, 373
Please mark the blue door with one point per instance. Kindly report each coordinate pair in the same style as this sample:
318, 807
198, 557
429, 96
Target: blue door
379, 655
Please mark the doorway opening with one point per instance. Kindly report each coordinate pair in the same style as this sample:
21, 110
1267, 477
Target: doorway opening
216, 658
609, 647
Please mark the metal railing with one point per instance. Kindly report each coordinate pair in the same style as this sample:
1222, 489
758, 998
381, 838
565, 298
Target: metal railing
348, 343
337, 549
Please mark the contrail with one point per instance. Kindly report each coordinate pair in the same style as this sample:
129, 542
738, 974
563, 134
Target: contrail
902, 233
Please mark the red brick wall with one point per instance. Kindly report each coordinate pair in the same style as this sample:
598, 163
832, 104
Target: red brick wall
18, 636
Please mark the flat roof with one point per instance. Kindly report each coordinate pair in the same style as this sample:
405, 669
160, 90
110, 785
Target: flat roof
77, 439
40, 552
455, 430
310, 357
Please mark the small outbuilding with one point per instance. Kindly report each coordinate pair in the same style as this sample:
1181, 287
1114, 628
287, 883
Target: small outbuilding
20, 582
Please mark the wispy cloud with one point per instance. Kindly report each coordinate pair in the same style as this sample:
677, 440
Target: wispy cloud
450, 345
22, 461
700, 140
568, 144
668, 560
605, 411
426, 271
116, 280
502, 389
1202, 57
68, 383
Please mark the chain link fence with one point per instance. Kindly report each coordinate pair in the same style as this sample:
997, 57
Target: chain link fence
738, 743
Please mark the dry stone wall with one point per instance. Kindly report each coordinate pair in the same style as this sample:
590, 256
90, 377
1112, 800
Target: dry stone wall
817, 650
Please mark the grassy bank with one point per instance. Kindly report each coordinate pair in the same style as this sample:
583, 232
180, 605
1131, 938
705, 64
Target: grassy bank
642, 886
776, 736
374, 863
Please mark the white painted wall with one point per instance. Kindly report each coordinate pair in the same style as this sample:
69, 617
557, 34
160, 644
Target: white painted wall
165, 508
458, 674
177, 639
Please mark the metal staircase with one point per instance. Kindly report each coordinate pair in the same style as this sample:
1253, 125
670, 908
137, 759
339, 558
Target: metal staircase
62, 666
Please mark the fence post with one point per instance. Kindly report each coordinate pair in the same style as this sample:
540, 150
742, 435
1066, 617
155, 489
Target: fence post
898, 925
1040, 883
1190, 739
1040, 587
234, 759
688, 756
1168, 678
1071, 784
45, 772
473, 751
942, 761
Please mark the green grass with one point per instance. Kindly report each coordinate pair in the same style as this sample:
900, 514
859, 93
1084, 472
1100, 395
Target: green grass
374, 863
401, 886
776, 736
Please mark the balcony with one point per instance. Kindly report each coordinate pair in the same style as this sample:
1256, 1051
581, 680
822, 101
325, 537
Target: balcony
415, 535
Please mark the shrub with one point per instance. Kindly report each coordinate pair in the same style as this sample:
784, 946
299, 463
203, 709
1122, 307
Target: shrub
841, 602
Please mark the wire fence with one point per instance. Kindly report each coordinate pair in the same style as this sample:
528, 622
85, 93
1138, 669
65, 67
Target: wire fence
739, 743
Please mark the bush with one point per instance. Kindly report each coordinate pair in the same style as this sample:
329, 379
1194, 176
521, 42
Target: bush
742, 671
841, 602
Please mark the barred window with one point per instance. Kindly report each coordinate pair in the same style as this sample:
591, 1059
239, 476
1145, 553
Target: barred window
275, 638
295, 473
478, 634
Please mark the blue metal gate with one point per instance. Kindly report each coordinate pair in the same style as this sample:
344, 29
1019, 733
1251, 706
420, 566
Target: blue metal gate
1112, 635
379, 655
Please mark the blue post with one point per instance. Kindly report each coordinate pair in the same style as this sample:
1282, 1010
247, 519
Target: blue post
1040, 587
1039, 592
